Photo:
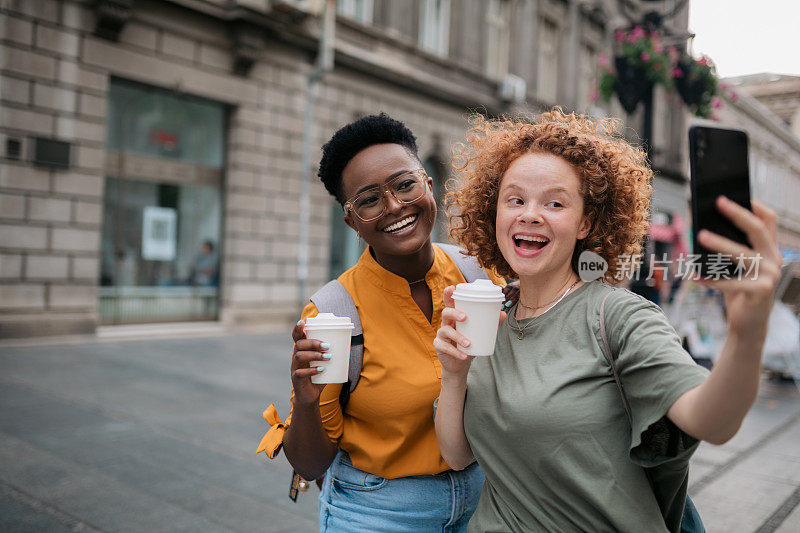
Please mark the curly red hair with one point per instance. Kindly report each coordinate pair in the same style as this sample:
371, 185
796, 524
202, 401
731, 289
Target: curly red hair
615, 183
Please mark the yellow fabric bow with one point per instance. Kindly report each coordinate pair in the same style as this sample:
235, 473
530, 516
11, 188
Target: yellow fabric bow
273, 440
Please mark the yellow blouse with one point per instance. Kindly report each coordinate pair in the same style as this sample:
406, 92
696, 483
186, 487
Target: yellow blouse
387, 426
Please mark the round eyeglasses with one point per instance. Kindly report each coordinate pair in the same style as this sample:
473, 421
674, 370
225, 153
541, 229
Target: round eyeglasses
406, 188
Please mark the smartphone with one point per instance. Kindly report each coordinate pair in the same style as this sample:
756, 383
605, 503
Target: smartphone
718, 166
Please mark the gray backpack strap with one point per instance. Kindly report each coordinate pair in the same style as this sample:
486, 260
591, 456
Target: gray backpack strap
334, 298
468, 265
611, 357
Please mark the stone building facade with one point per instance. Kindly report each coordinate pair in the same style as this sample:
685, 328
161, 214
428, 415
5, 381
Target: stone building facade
780, 93
151, 151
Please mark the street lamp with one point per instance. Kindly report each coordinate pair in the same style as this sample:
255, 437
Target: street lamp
633, 85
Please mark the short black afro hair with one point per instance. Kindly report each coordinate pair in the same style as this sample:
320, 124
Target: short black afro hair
354, 137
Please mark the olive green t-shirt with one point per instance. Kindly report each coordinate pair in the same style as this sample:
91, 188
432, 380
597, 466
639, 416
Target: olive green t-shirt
546, 423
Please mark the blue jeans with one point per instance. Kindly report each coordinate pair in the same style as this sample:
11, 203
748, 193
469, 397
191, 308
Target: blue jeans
352, 500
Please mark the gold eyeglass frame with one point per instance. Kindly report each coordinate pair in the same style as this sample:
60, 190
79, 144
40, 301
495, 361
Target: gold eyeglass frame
384, 188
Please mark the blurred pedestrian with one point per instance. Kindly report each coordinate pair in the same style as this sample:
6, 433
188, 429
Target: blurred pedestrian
206, 266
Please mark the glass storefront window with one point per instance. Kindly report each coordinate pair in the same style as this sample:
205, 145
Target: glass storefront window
161, 240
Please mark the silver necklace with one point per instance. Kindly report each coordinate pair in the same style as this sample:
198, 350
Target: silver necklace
537, 307
521, 330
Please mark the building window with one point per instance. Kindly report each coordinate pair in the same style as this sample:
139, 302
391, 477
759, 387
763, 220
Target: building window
548, 67
161, 235
160, 124
358, 10
437, 171
587, 76
434, 26
346, 247
498, 35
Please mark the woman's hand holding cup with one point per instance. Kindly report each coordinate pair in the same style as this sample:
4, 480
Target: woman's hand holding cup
306, 352
447, 341
511, 292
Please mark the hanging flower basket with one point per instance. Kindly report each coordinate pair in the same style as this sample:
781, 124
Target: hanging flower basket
696, 83
643, 62
631, 83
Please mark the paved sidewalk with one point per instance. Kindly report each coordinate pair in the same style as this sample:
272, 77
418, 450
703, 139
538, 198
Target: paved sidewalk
160, 435
752, 483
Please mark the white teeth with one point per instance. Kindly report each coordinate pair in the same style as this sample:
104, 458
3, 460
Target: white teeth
530, 238
400, 224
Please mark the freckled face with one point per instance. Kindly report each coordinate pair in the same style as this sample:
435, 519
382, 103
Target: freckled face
376, 165
540, 215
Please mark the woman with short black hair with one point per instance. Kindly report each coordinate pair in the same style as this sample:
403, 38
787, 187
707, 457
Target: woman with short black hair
384, 468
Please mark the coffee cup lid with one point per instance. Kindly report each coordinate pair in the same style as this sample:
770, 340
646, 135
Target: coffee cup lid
329, 321
480, 290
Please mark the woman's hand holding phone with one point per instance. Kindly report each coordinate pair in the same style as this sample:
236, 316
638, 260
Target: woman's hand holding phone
714, 410
748, 298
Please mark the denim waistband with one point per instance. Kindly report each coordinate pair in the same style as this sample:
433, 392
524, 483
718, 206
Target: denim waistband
354, 500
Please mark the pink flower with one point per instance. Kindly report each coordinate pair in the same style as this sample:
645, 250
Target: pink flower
632, 38
734, 96
703, 61
602, 60
716, 103
724, 85
644, 56
658, 48
619, 36
677, 73
673, 53
638, 32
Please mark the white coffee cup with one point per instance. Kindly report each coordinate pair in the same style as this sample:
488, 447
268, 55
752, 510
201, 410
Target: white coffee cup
336, 331
480, 301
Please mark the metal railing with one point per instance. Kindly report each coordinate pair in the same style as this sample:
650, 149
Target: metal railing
137, 305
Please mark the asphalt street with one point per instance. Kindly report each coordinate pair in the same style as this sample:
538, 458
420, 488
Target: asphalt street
160, 434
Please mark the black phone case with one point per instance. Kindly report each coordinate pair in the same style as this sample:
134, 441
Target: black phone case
694, 133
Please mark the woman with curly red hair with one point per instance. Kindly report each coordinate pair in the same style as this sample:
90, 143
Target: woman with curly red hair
543, 415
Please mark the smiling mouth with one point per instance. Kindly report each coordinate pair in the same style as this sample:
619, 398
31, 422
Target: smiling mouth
529, 242
400, 224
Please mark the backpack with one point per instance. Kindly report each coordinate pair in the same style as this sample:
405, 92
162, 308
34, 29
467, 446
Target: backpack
334, 298
690, 519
